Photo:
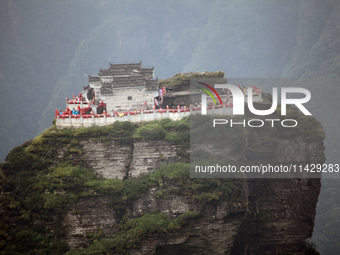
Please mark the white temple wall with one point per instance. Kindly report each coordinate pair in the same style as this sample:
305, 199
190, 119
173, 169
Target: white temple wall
129, 99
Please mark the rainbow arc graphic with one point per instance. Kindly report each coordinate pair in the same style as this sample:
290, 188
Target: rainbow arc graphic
209, 93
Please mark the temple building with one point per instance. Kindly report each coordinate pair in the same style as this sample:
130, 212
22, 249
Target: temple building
122, 87
129, 92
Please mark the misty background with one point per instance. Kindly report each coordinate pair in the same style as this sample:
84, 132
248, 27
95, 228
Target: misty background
48, 49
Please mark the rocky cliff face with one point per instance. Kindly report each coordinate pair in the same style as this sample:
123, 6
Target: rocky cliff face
112, 160
114, 190
278, 209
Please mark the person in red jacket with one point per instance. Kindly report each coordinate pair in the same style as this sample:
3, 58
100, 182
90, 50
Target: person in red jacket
56, 113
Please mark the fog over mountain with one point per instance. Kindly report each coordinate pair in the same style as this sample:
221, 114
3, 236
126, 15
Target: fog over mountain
48, 49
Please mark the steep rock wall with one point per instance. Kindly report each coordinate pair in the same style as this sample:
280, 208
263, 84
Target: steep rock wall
107, 158
112, 160
150, 155
213, 233
84, 185
90, 215
278, 217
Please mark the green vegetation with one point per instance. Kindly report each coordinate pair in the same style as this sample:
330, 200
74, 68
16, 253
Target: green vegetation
43, 178
181, 81
153, 130
174, 179
134, 230
173, 131
253, 40
262, 216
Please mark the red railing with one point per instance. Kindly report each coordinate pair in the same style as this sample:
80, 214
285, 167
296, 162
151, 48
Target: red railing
67, 115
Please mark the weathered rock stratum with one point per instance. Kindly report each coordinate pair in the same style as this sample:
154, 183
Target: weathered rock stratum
126, 189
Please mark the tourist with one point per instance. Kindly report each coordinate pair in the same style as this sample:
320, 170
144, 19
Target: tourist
156, 103
160, 94
56, 113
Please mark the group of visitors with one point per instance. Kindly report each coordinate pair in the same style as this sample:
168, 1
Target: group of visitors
255, 89
161, 93
158, 101
74, 111
77, 99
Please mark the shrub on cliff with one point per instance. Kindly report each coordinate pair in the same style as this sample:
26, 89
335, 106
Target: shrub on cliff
20, 160
134, 230
181, 81
152, 131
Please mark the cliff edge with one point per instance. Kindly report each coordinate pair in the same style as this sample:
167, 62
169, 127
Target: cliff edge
126, 189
